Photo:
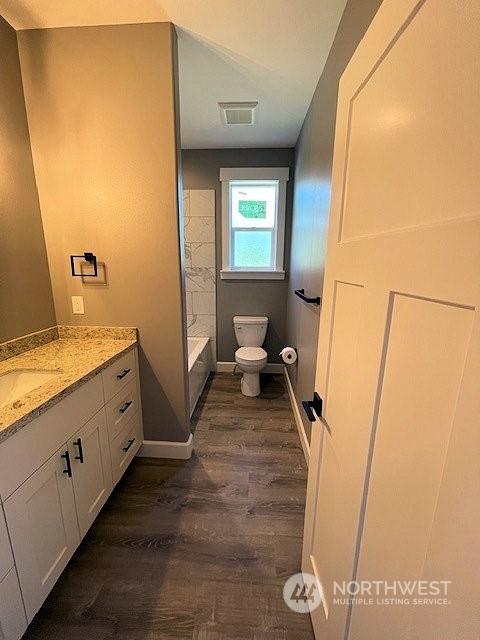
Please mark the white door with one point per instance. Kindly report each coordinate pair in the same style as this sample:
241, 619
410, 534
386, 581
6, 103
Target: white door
43, 528
394, 481
91, 468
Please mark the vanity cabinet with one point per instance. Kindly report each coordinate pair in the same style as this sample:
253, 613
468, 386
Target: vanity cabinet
55, 476
43, 527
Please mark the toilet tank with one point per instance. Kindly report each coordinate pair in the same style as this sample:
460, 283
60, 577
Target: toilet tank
250, 331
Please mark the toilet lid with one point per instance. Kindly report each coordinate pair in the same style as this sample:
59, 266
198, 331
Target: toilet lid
251, 353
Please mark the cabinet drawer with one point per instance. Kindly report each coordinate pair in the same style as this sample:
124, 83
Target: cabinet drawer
119, 374
13, 622
124, 446
121, 408
6, 557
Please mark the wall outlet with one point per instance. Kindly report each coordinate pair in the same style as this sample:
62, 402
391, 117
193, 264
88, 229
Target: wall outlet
77, 305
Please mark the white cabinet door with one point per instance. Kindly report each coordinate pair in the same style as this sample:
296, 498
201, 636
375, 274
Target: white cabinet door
43, 528
91, 468
13, 622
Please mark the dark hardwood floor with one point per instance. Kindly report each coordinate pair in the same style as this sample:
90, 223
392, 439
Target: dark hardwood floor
197, 549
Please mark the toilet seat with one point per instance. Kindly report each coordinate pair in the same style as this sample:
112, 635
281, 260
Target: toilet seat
250, 355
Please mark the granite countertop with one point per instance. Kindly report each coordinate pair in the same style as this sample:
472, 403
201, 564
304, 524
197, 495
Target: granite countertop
78, 359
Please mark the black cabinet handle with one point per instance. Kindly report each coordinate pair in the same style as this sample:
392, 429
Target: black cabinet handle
301, 294
311, 406
78, 443
125, 406
130, 442
68, 470
124, 373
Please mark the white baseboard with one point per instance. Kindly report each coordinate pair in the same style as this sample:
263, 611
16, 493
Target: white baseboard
270, 367
298, 418
166, 449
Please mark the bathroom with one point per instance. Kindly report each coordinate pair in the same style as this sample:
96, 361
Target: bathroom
205, 346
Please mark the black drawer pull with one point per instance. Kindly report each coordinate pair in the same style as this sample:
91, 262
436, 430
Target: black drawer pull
78, 443
68, 470
125, 406
301, 294
130, 442
124, 373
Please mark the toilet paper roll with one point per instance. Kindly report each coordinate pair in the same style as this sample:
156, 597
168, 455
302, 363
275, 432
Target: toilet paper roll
289, 355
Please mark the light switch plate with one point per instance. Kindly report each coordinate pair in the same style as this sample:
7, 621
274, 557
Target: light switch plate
77, 305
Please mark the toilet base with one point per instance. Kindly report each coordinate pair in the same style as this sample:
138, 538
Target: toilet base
250, 385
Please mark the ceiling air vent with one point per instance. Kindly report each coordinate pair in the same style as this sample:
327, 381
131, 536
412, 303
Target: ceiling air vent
238, 112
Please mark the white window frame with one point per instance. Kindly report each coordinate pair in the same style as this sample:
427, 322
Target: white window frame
279, 174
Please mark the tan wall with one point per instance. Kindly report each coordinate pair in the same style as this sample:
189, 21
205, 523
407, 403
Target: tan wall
26, 302
102, 113
313, 168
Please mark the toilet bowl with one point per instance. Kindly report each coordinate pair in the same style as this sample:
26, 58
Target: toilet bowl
250, 332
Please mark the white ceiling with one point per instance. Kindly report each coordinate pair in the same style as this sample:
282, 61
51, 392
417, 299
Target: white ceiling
270, 51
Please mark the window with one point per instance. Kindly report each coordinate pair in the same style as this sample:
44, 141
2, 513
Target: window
253, 222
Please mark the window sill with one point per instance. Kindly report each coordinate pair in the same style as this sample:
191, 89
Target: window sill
227, 274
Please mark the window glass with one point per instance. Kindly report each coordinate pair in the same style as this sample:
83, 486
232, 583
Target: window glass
253, 205
252, 249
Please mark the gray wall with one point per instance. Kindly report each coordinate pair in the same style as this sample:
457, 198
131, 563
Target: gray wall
314, 153
201, 170
101, 105
26, 302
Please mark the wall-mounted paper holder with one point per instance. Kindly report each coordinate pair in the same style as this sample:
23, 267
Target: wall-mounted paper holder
89, 257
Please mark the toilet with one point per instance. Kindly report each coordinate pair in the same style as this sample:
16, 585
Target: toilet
250, 332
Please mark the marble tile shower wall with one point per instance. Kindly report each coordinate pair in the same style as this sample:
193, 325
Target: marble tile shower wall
199, 214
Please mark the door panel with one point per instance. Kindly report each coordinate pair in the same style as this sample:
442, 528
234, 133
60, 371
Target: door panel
413, 431
333, 505
454, 553
92, 478
397, 112
43, 528
399, 355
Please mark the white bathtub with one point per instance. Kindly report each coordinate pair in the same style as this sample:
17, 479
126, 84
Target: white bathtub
199, 367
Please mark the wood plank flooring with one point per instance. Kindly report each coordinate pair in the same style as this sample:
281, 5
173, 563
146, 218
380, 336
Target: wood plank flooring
197, 549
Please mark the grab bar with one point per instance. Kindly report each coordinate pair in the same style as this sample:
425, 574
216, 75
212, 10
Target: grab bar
301, 294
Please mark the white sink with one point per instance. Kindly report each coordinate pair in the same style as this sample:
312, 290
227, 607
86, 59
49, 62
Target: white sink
17, 383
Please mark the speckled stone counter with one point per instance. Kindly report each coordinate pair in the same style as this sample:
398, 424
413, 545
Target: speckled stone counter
78, 359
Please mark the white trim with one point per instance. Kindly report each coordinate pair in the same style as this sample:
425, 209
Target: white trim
270, 367
280, 174
229, 274
166, 449
298, 418
254, 173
